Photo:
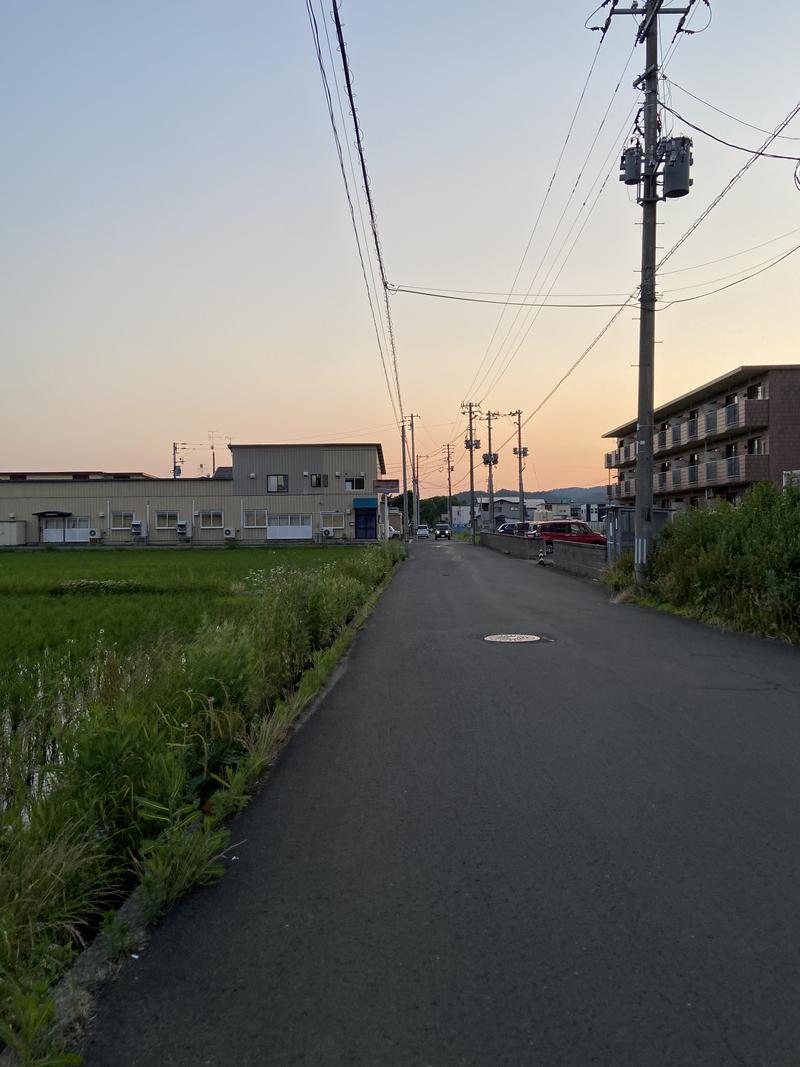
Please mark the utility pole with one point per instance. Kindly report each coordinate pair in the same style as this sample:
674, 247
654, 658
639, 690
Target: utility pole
174, 459
520, 453
643, 171
471, 443
449, 486
405, 481
490, 459
414, 476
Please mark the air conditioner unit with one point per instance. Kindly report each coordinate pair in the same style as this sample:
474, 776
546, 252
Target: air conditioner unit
184, 528
327, 531
139, 528
228, 533
95, 535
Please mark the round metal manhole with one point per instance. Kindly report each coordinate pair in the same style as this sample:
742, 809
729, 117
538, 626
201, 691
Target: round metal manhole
512, 639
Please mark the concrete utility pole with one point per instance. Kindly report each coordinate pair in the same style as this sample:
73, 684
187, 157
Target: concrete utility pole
644, 172
521, 454
471, 444
405, 481
414, 476
490, 459
449, 486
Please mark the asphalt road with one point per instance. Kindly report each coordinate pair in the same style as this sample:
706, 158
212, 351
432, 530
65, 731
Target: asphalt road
579, 851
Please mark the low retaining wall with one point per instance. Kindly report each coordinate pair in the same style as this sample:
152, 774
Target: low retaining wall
587, 561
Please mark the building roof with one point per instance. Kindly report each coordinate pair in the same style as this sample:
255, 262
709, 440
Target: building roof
224, 473
703, 392
329, 444
77, 474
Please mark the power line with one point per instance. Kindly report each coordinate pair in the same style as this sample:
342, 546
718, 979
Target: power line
352, 170
542, 205
721, 140
479, 386
329, 102
368, 194
728, 186
727, 114
730, 285
681, 240
733, 255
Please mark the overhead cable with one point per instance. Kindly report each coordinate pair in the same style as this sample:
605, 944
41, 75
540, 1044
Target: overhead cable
332, 117
368, 193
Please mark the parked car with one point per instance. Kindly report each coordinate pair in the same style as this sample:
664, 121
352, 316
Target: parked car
441, 529
423, 531
507, 528
567, 530
391, 532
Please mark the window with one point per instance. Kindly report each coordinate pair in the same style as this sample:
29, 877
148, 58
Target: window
755, 392
121, 520
319, 481
76, 522
290, 520
277, 483
211, 520
332, 519
353, 483
255, 518
18, 477
166, 520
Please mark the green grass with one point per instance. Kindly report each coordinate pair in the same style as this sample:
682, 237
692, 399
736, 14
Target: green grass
134, 717
176, 590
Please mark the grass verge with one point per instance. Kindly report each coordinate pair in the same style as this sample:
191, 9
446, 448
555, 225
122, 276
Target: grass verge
121, 771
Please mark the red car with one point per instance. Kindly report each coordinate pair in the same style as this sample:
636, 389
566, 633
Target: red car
568, 530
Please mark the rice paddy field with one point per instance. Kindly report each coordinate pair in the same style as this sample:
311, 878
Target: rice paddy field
127, 598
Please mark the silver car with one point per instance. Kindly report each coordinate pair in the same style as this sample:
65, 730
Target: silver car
423, 531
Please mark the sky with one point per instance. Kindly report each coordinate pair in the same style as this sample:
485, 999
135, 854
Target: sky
178, 257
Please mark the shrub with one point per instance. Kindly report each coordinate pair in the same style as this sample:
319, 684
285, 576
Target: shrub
736, 565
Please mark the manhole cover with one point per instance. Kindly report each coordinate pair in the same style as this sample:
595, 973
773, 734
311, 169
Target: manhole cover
512, 638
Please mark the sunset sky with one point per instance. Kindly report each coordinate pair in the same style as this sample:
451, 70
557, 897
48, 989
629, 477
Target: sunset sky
177, 253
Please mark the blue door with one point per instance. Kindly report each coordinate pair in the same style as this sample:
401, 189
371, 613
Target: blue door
366, 524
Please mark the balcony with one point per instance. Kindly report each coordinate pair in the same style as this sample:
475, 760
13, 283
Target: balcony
716, 422
620, 457
733, 470
621, 490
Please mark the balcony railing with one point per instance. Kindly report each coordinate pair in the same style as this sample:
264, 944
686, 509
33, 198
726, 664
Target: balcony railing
722, 421
729, 471
620, 456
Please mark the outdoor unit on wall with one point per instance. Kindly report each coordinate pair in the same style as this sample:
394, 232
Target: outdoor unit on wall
229, 533
184, 529
95, 536
139, 528
327, 531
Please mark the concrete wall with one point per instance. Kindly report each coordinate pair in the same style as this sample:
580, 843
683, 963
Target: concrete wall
587, 561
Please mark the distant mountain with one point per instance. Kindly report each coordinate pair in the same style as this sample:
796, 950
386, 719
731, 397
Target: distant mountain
595, 494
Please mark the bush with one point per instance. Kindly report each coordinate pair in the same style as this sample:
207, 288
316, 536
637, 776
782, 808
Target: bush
736, 565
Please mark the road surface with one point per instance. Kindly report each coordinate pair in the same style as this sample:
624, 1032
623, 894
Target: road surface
584, 850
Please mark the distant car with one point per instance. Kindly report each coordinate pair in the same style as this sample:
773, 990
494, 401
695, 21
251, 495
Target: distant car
423, 531
567, 530
441, 529
507, 528
391, 532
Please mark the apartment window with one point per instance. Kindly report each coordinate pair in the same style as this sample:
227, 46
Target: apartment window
755, 392
211, 520
353, 483
121, 520
319, 481
256, 518
332, 519
166, 520
277, 483
77, 522
290, 520
755, 446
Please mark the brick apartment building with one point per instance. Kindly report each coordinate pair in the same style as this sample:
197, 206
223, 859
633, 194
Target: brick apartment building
716, 441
